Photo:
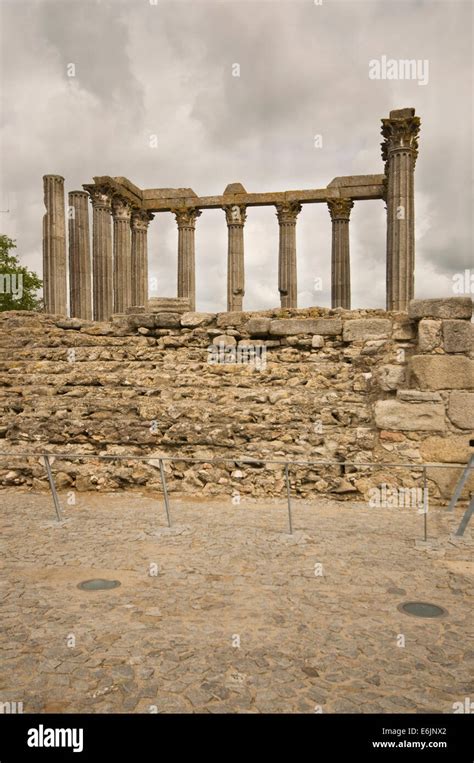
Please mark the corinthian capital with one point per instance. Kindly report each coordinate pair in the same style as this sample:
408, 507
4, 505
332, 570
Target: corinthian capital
186, 216
141, 219
340, 209
288, 211
235, 214
400, 134
121, 209
100, 197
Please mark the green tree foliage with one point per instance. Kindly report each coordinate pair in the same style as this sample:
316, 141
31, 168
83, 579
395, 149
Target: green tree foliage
18, 285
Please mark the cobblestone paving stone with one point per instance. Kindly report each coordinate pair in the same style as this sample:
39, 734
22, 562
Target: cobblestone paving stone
168, 642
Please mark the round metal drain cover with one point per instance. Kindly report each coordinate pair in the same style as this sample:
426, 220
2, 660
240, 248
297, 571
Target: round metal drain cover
98, 584
422, 609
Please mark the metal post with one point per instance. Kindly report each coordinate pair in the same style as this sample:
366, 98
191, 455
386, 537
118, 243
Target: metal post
466, 517
425, 505
57, 505
461, 482
165, 493
290, 525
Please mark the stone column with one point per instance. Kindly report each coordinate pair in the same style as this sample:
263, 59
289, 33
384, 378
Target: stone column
140, 221
102, 272
54, 246
399, 151
287, 278
340, 210
186, 219
235, 217
121, 214
80, 281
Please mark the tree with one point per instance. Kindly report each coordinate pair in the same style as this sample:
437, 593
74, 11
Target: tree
18, 285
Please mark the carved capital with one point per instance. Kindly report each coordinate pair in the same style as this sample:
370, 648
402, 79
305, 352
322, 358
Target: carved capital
287, 212
186, 216
121, 209
100, 198
141, 219
235, 214
400, 135
340, 209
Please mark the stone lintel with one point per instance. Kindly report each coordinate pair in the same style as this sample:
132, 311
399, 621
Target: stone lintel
312, 196
119, 189
356, 180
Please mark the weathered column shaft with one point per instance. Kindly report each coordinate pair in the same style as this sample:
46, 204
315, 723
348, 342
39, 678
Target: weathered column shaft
121, 213
140, 222
54, 246
186, 219
287, 266
102, 270
235, 217
80, 281
340, 210
399, 151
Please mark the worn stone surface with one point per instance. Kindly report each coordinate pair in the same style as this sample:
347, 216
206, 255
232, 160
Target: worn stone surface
393, 414
453, 448
448, 307
166, 643
191, 320
169, 305
306, 326
442, 372
369, 328
429, 335
391, 377
415, 395
461, 409
258, 326
456, 336
167, 320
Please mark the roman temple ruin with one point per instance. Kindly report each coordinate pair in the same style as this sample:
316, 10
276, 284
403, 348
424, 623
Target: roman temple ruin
113, 278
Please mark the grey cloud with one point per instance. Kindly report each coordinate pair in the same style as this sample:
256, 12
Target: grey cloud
166, 69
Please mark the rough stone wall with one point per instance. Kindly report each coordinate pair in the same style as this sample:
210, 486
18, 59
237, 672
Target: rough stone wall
358, 386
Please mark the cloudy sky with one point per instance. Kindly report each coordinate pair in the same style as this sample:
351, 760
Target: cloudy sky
165, 68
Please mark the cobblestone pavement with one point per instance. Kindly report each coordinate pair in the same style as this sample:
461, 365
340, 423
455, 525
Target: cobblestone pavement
241, 616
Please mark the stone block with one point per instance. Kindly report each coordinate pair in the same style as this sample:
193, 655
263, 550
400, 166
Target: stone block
231, 319
394, 414
429, 335
391, 376
258, 326
452, 449
70, 324
167, 320
225, 339
442, 372
141, 321
417, 396
289, 326
169, 305
456, 336
403, 330
317, 342
191, 320
461, 409
328, 326
449, 307
447, 479
360, 329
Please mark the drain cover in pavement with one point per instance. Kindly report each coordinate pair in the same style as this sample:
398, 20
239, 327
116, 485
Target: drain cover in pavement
421, 609
98, 584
